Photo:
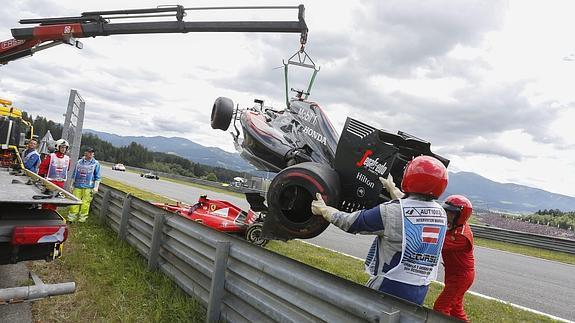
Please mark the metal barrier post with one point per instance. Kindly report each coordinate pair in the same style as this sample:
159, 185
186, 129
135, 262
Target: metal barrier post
123, 230
104, 206
159, 221
218, 280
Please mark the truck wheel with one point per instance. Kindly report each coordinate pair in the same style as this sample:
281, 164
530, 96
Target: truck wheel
289, 201
222, 112
254, 235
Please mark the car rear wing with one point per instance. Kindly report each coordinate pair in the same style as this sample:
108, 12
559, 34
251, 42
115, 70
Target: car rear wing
365, 153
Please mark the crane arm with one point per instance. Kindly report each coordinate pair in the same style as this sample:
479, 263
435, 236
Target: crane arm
66, 30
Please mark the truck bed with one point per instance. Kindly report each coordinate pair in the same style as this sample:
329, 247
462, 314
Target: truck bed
28, 188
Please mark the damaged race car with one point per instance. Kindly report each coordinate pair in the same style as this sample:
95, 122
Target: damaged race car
300, 144
222, 216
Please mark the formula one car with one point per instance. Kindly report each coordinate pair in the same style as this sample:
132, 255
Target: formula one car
150, 175
302, 146
119, 167
222, 216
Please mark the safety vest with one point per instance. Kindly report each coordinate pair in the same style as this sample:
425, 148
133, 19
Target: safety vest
424, 228
58, 169
85, 173
29, 155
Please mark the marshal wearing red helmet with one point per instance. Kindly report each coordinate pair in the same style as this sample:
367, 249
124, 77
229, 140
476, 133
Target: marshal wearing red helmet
404, 256
457, 257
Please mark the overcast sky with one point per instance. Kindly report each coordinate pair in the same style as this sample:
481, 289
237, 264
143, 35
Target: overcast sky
489, 83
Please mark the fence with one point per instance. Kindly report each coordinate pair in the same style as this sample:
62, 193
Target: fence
240, 282
522, 238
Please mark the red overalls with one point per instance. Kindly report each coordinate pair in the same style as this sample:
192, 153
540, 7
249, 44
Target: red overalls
459, 271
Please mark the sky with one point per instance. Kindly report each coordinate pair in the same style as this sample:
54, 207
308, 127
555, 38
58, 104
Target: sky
488, 83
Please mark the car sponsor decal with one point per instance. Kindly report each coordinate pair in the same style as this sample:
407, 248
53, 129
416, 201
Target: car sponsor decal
371, 164
315, 135
308, 116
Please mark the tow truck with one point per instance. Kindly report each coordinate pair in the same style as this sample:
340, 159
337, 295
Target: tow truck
27, 232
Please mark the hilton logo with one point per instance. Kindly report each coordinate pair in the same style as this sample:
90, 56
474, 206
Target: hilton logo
362, 178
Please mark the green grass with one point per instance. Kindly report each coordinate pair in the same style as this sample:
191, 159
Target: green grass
136, 192
526, 250
113, 283
478, 309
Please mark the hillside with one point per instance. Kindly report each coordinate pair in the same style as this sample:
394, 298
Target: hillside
182, 147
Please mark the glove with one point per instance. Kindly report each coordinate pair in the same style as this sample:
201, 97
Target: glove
96, 186
394, 192
318, 207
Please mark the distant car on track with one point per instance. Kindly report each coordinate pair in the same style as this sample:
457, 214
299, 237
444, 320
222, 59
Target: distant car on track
119, 167
150, 175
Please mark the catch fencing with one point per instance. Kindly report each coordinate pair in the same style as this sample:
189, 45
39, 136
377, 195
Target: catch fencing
241, 282
523, 238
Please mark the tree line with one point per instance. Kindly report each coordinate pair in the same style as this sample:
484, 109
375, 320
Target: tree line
135, 154
553, 217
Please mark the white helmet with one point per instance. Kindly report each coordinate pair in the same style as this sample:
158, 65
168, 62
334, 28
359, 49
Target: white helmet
62, 142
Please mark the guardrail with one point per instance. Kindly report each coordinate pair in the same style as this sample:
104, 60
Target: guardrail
523, 238
241, 282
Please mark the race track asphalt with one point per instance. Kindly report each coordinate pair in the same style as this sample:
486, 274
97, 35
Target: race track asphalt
542, 285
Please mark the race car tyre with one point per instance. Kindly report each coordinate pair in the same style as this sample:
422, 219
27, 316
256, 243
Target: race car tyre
254, 235
222, 112
289, 201
141, 175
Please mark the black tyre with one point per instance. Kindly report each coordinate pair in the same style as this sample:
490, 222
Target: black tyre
289, 201
254, 235
141, 175
222, 112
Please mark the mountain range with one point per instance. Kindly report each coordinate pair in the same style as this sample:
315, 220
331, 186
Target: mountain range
484, 193
182, 147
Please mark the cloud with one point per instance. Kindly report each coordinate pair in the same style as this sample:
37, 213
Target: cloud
483, 146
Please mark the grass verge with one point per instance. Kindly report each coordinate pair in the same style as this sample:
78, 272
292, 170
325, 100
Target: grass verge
478, 309
526, 250
112, 283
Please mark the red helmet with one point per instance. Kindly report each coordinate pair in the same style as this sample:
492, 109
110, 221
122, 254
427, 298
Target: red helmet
425, 175
461, 206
